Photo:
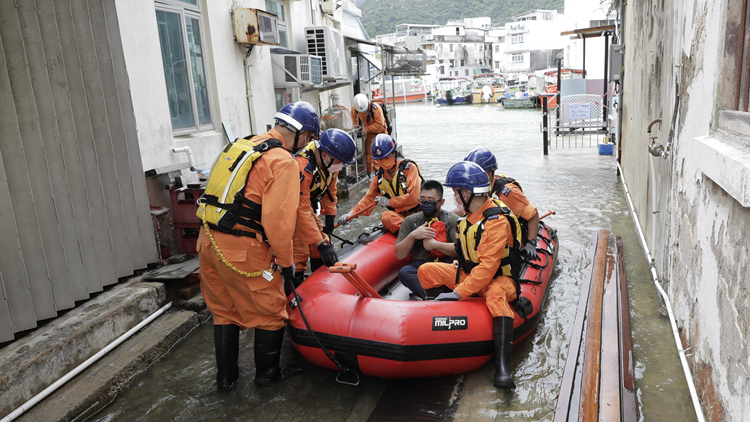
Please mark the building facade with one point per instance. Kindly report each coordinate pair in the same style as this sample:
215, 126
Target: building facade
686, 63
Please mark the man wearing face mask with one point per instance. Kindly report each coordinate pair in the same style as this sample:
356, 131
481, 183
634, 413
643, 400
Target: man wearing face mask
487, 247
395, 187
419, 236
319, 163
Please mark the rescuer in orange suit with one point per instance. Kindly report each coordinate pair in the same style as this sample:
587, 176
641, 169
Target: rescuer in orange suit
319, 164
237, 265
509, 191
373, 122
395, 187
486, 243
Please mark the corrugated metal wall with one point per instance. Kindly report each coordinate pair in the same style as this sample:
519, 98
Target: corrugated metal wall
74, 213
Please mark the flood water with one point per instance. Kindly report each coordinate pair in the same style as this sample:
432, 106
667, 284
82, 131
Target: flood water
581, 186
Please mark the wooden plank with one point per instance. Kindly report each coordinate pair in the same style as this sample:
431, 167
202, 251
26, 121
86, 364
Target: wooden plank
104, 154
589, 405
609, 391
625, 341
69, 145
85, 142
571, 363
131, 135
17, 176
114, 117
50, 138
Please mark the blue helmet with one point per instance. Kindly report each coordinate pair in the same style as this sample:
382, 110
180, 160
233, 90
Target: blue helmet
300, 116
339, 144
469, 176
483, 157
382, 146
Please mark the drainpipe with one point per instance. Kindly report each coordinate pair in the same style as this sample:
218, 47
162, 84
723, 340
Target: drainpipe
248, 89
189, 154
80, 368
667, 304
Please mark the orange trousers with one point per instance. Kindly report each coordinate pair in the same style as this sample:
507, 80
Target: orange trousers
498, 294
368, 150
302, 252
248, 302
392, 221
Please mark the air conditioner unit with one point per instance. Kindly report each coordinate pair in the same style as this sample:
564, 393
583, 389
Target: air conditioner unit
293, 70
255, 27
328, 43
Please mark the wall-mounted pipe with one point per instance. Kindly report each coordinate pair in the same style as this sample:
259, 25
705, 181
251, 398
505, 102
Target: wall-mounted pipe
80, 368
189, 153
667, 304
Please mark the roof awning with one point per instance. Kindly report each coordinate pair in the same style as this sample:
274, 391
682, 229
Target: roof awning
371, 58
361, 41
593, 32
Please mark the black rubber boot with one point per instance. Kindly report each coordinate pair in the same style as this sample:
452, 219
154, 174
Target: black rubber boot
227, 343
315, 263
267, 354
503, 334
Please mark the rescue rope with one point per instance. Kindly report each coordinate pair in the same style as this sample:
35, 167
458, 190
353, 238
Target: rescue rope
221, 255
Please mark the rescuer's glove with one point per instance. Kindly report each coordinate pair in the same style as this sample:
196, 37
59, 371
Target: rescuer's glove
327, 254
287, 273
344, 219
382, 201
529, 251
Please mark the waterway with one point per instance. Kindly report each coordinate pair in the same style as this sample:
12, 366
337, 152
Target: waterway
580, 185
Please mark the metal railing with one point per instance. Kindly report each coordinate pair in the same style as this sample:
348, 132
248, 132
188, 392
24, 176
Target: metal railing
577, 121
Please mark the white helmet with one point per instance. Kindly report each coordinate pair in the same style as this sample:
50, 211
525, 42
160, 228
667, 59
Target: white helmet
361, 103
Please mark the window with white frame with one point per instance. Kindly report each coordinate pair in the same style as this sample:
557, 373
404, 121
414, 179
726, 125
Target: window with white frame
547, 16
466, 72
278, 8
517, 58
517, 39
442, 70
450, 46
184, 62
462, 62
452, 62
497, 65
497, 48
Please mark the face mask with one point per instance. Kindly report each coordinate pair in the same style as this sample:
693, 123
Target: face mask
387, 164
428, 208
335, 168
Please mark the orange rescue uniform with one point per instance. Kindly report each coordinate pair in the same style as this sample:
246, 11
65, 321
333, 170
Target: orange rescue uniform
497, 291
516, 200
309, 230
251, 302
373, 125
403, 205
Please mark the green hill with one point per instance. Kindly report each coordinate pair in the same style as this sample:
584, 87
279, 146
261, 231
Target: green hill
382, 16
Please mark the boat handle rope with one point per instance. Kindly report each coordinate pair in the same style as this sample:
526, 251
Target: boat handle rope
343, 369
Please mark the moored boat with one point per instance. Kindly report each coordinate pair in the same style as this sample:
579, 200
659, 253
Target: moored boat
401, 338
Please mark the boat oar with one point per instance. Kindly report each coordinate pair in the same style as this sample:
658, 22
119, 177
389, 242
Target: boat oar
549, 212
366, 209
347, 270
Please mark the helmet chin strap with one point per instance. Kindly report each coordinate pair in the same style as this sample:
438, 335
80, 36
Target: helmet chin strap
295, 148
466, 204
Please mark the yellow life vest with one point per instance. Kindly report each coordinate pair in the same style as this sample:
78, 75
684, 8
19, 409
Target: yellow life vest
321, 177
398, 185
470, 235
223, 204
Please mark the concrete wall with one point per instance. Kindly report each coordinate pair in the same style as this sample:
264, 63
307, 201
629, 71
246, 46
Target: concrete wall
693, 206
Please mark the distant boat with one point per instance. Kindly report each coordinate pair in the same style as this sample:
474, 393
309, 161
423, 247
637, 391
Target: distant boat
453, 91
408, 90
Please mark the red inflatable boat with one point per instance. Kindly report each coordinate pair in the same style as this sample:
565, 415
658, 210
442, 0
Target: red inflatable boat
392, 338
